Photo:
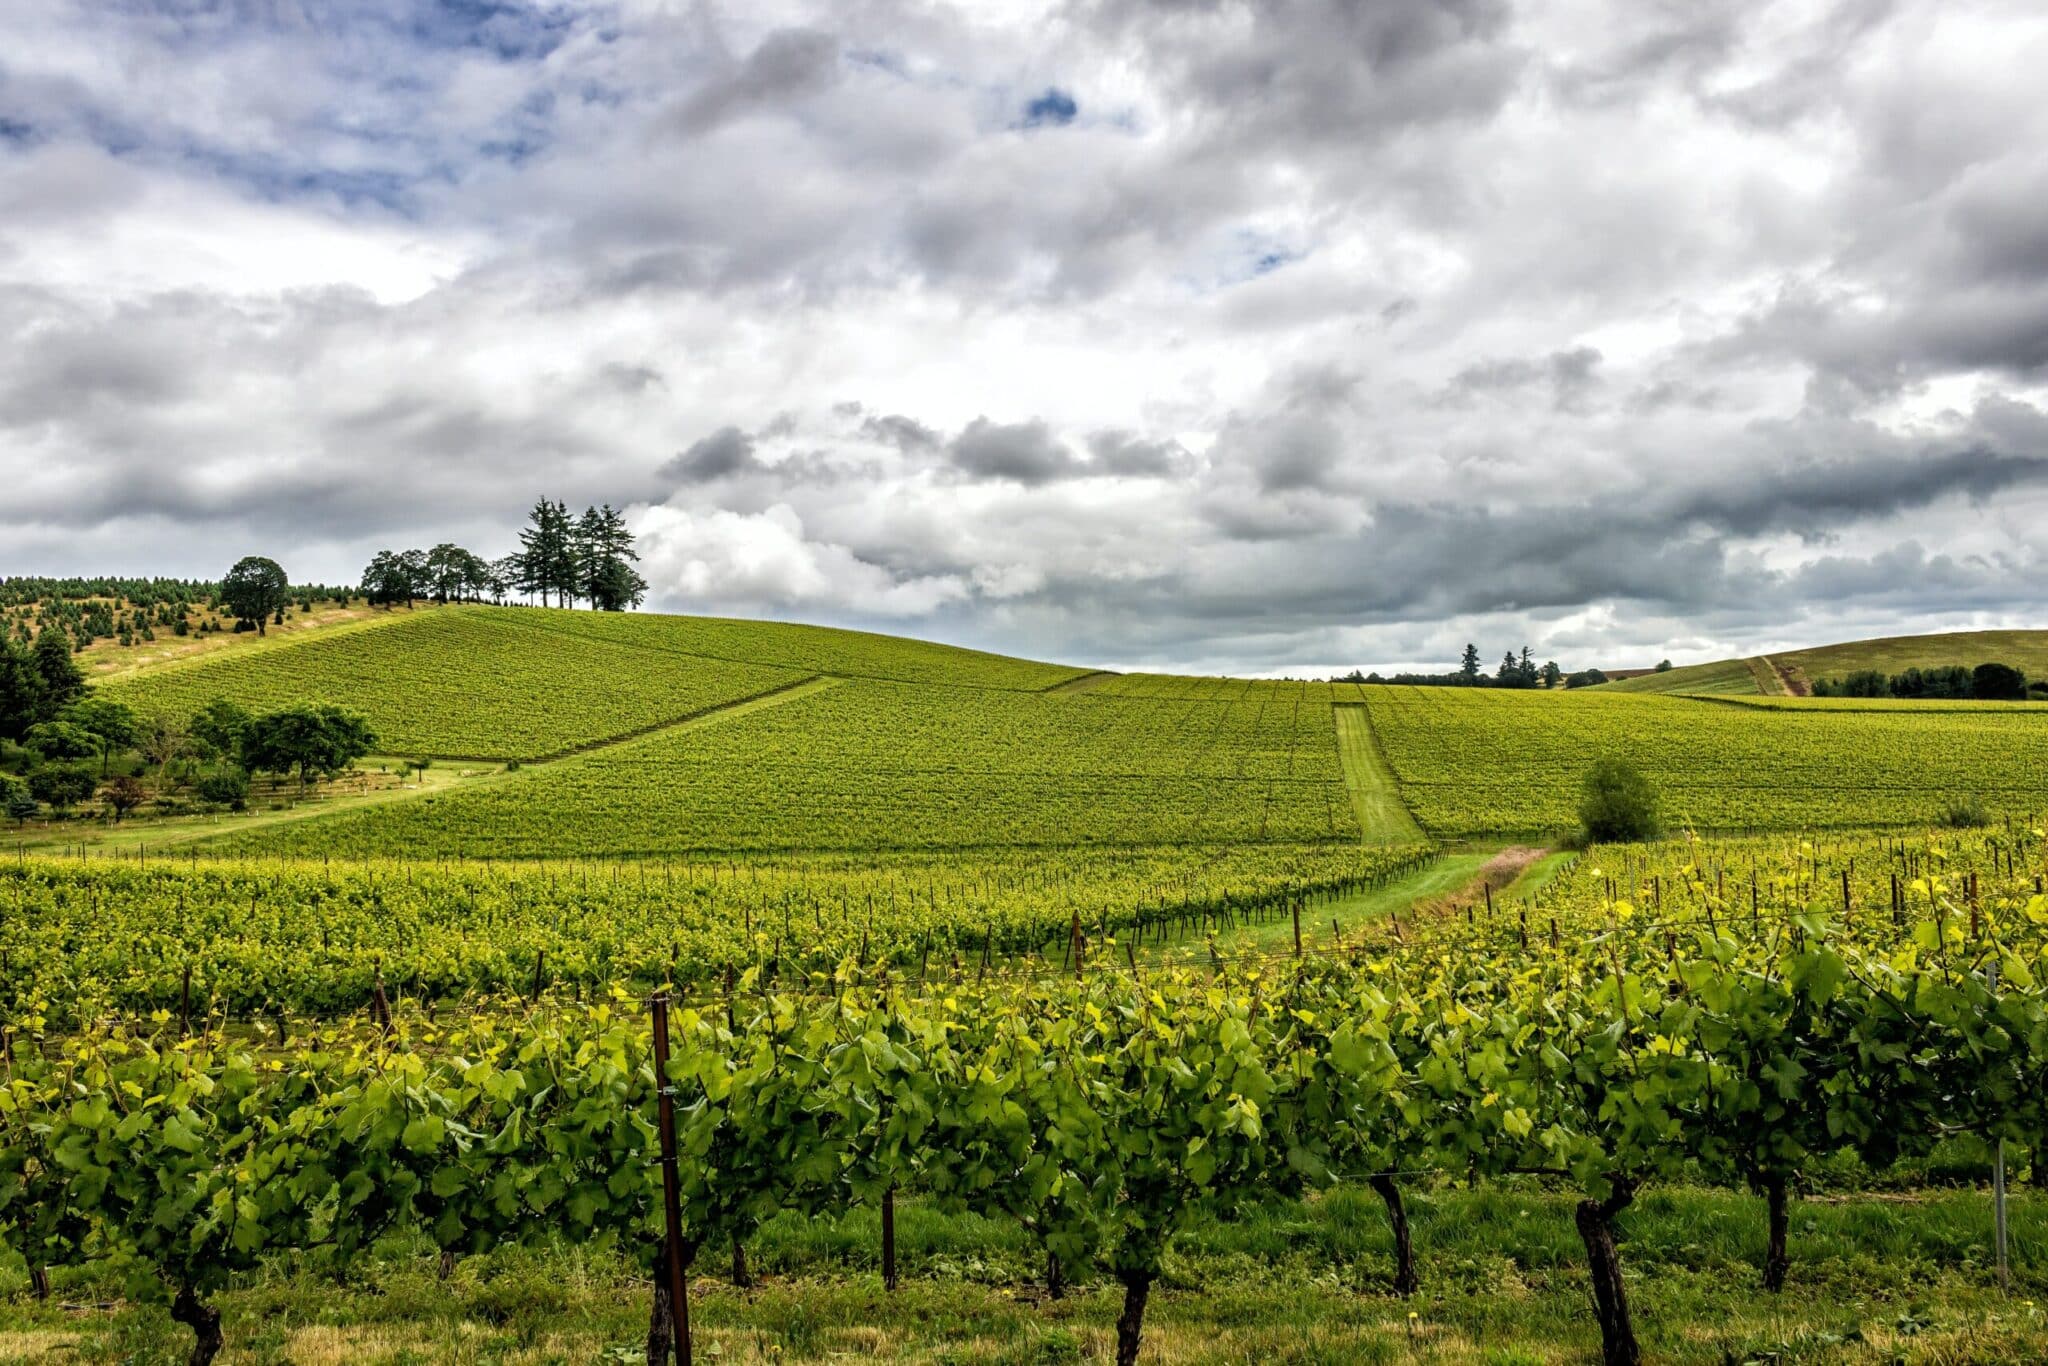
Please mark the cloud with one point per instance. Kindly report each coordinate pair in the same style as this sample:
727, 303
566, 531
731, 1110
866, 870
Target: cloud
1025, 452
726, 452
1318, 341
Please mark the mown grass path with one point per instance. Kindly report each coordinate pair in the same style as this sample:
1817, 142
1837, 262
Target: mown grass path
1382, 816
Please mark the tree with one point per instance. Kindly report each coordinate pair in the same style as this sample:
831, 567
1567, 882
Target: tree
219, 727
61, 682
309, 740
1469, 667
163, 740
57, 741
62, 786
20, 802
255, 589
113, 725
21, 690
1663, 666
547, 554
605, 559
122, 795
388, 581
1509, 675
1998, 683
1552, 674
1617, 804
1584, 678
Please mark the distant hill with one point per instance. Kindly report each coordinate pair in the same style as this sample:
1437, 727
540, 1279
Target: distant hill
1794, 671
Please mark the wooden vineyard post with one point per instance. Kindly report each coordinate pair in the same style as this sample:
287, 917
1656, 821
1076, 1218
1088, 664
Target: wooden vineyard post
1845, 894
1297, 929
671, 1269
889, 1238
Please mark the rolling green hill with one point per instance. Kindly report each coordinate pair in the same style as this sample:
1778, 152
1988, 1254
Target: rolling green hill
529, 683
1796, 670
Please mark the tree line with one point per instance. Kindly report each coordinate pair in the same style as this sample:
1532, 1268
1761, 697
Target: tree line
563, 559
1514, 671
1988, 682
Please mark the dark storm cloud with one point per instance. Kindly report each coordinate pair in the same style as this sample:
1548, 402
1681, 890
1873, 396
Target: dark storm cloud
1026, 452
721, 455
1125, 453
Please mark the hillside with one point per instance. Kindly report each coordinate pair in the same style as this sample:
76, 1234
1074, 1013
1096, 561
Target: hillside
1796, 670
530, 683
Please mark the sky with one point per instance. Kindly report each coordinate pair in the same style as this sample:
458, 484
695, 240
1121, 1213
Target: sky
1274, 338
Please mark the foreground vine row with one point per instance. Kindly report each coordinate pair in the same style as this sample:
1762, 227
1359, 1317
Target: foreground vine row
1738, 1044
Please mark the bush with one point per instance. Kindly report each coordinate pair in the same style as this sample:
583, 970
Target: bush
227, 787
1584, 678
1618, 804
1965, 813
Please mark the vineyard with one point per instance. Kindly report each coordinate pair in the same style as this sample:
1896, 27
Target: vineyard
1471, 761
460, 682
1782, 1017
271, 942
862, 764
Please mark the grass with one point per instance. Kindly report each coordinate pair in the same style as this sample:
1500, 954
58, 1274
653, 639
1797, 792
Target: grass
108, 659
1873, 1280
1721, 676
1375, 796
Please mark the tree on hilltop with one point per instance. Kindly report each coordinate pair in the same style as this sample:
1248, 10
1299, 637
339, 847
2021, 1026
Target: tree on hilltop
255, 589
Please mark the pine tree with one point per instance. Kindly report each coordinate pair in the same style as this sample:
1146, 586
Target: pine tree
1469, 669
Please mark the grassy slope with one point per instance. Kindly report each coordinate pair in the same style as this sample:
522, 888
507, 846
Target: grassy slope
1722, 676
2024, 650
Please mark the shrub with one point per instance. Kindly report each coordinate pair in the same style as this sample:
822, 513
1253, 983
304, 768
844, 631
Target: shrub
226, 786
1617, 804
1965, 813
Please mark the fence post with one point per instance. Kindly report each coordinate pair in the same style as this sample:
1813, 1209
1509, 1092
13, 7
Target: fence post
671, 1197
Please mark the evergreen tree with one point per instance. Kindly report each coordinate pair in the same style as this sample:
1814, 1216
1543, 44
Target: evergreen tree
1509, 675
1469, 668
605, 559
60, 681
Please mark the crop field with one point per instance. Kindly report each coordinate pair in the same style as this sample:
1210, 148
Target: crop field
462, 682
256, 939
1784, 1017
1473, 760
863, 764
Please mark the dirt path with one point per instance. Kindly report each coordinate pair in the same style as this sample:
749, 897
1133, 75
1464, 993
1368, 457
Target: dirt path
1496, 874
1375, 795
